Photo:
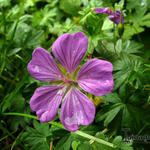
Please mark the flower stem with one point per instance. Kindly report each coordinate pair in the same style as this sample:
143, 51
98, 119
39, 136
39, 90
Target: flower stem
61, 126
114, 34
95, 139
51, 144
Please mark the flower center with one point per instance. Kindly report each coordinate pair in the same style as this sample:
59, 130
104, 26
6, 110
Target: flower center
68, 80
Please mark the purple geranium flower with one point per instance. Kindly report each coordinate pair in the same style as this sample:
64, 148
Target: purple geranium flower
106, 10
116, 17
113, 16
94, 77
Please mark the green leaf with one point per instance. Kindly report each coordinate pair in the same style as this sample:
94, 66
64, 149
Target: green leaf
46, 16
17, 105
111, 97
121, 144
138, 5
4, 3
107, 24
126, 118
13, 12
145, 20
111, 115
106, 112
84, 146
13, 93
34, 39
41, 131
130, 30
28, 3
64, 143
14, 51
99, 146
70, 6
125, 67
75, 144
128, 46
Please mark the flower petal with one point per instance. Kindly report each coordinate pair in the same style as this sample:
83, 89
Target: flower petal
116, 17
43, 67
76, 109
95, 77
69, 50
106, 10
46, 100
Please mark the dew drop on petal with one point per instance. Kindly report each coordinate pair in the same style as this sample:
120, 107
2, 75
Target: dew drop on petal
106, 82
36, 68
77, 118
61, 91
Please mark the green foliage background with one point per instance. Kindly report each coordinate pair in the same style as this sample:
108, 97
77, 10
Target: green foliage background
26, 24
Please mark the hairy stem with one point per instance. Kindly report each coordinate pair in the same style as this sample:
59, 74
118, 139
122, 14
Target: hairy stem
61, 126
